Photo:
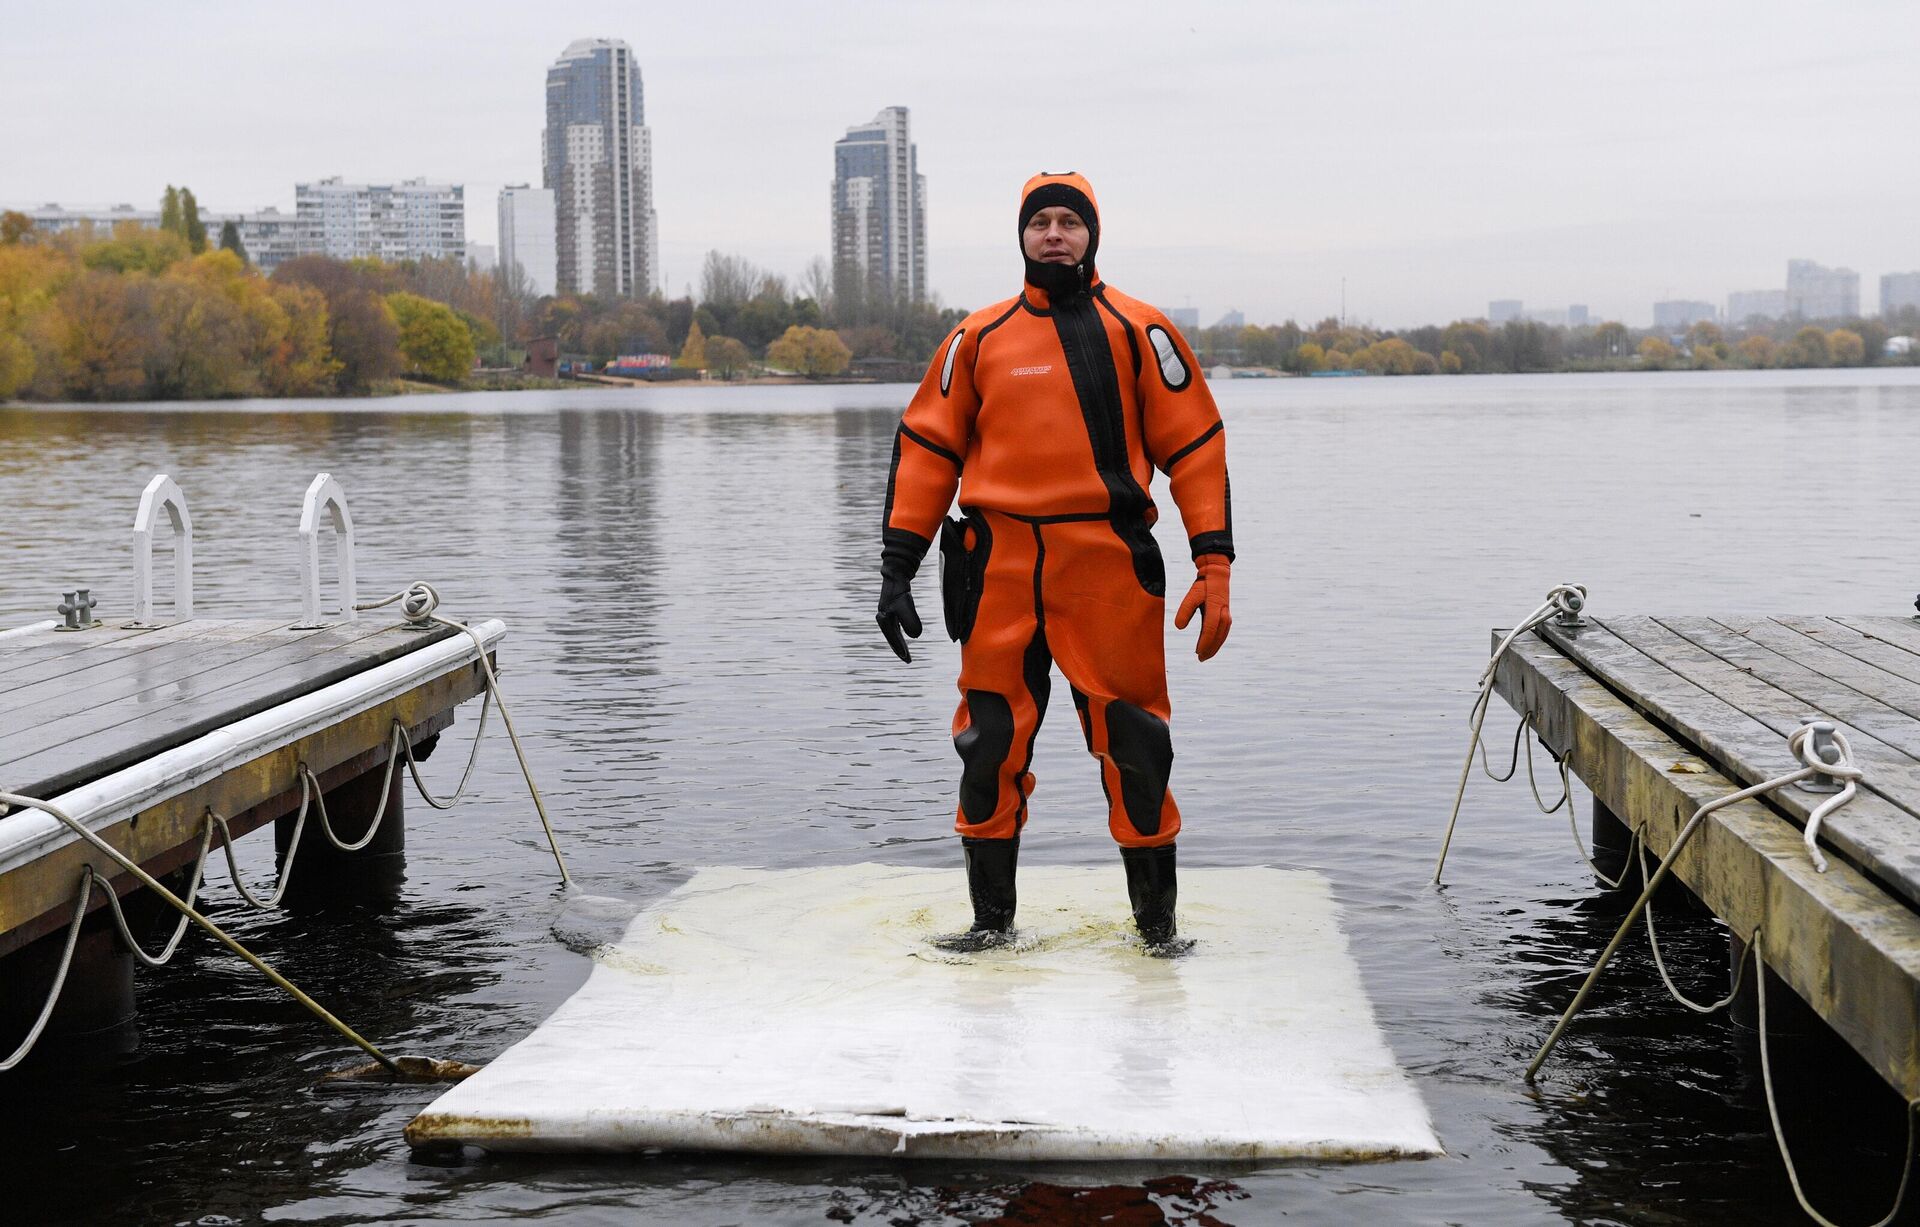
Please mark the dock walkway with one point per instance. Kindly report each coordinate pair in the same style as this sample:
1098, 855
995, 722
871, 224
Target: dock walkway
1658, 715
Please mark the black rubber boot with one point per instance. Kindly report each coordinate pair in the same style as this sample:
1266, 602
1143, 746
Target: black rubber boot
1151, 889
990, 871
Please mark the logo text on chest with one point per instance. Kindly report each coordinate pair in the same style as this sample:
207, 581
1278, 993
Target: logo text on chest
1031, 370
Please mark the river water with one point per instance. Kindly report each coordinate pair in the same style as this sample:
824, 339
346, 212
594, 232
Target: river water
688, 575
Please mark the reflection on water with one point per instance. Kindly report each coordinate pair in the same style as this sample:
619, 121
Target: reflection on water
688, 579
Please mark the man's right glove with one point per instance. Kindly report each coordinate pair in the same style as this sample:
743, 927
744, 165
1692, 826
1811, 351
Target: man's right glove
900, 555
897, 614
1209, 596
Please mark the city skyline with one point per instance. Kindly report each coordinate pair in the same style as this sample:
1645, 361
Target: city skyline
1616, 159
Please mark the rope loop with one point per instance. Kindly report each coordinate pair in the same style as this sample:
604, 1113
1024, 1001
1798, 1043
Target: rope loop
1805, 746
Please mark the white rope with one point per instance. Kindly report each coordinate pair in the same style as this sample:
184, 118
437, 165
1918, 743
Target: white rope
1780, 1134
59, 974
473, 756
1633, 842
308, 781
1660, 964
179, 930
1563, 599
1566, 785
1801, 743
186, 909
418, 601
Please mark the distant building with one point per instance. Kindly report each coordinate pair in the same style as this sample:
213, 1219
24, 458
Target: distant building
1682, 313
1553, 317
1577, 316
527, 242
1501, 310
1186, 319
543, 357
1745, 305
879, 210
1232, 319
597, 159
58, 219
409, 220
270, 236
1898, 291
1815, 292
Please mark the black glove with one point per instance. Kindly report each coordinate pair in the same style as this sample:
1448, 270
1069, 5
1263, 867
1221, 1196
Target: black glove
897, 614
900, 555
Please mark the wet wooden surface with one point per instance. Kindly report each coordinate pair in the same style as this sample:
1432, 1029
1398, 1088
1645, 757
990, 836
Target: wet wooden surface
1847, 942
1734, 688
77, 706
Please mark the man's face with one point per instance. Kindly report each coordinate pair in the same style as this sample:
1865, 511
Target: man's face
1055, 235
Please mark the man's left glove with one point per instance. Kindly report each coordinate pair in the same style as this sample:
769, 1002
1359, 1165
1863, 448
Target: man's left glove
900, 555
1209, 596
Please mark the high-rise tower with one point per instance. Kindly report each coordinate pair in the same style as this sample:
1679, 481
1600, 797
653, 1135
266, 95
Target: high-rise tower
598, 159
879, 212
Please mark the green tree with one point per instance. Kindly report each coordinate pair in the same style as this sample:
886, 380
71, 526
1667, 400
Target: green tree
693, 355
727, 357
1846, 348
1612, 339
170, 212
1450, 363
135, 249
433, 339
14, 227
230, 240
813, 352
191, 227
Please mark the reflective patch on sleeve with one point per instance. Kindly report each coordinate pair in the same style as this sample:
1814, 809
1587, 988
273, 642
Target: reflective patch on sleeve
946, 368
1173, 371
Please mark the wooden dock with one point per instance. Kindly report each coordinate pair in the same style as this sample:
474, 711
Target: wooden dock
141, 732
1659, 715
145, 731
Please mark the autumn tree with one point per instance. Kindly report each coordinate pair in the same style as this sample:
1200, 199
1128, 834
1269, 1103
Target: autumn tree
1809, 347
1757, 351
1656, 354
813, 352
14, 227
99, 331
433, 339
1845, 347
693, 355
1612, 338
727, 357
361, 333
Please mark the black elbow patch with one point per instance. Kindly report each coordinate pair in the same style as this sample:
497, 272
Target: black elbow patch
946, 368
1173, 368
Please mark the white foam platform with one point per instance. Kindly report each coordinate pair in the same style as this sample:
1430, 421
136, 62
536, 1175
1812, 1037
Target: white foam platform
802, 1012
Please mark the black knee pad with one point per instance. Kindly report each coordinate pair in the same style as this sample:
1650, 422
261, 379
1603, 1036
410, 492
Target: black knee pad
983, 745
1141, 746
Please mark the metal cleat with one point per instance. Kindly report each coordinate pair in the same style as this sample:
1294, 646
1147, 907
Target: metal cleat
77, 609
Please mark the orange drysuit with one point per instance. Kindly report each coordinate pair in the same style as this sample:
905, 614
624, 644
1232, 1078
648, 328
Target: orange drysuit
1049, 413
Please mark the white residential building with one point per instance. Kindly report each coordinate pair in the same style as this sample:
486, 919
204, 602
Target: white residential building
1744, 305
527, 237
879, 211
409, 220
597, 160
1898, 291
1815, 292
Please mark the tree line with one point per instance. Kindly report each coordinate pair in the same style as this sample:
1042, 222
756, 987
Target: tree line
1517, 346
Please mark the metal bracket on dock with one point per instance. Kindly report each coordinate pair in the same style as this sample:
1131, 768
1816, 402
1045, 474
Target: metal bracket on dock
1569, 604
77, 609
161, 492
325, 494
1826, 752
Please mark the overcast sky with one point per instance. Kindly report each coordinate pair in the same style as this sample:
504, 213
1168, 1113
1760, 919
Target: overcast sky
1433, 155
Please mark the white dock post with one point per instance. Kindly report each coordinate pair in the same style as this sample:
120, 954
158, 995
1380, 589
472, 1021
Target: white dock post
325, 494
162, 491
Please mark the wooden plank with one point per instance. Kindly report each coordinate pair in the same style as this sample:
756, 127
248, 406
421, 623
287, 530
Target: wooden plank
1858, 642
97, 678
66, 753
1903, 633
1846, 947
1706, 712
36, 896
1785, 692
35, 651
1815, 653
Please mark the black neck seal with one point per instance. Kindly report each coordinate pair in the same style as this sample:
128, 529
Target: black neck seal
1060, 280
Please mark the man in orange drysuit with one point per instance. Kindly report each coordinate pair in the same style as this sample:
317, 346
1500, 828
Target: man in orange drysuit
1049, 412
